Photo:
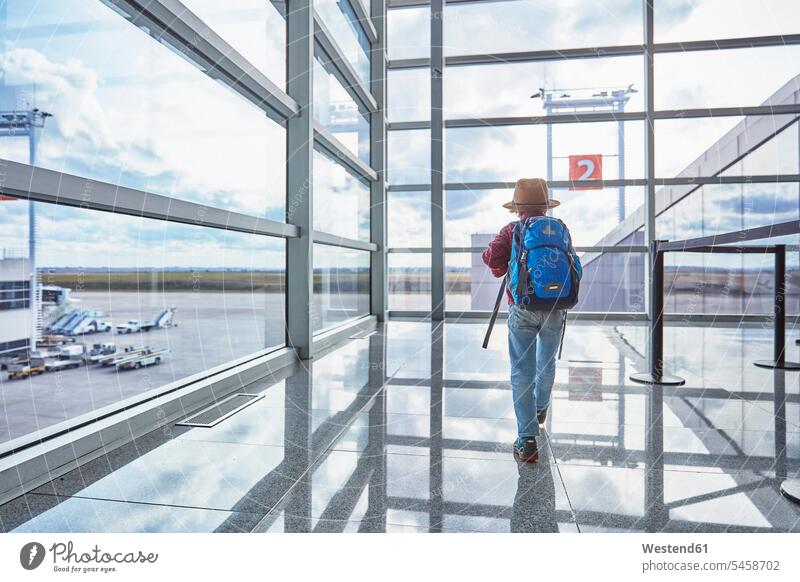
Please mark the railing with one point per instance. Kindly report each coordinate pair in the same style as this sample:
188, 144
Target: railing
718, 244
790, 488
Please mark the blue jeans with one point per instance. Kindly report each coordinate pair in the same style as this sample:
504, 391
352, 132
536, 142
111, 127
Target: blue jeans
533, 340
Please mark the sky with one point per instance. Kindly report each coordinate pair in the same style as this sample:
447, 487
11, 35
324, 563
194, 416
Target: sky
128, 110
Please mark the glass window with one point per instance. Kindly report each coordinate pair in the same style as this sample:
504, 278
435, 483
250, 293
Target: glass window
341, 286
341, 201
254, 28
681, 20
474, 217
209, 296
717, 284
409, 95
409, 156
612, 282
483, 154
469, 285
338, 112
410, 281
409, 215
779, 155
408, 34
526, 25
130, 111
473, 91
348, 33
696, 147
720, 78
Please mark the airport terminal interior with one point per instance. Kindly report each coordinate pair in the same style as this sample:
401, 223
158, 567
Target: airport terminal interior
241, 275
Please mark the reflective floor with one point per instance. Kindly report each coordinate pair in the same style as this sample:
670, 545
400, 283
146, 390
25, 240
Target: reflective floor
410, 430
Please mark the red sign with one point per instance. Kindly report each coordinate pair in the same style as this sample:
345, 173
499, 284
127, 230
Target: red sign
588, 167
6, 197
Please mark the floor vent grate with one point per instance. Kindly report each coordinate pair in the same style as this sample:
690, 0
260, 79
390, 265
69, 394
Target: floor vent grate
219, 411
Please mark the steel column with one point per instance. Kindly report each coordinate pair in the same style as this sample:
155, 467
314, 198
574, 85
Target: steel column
649, 150
437, 160
379, 289
299, 176
33, 292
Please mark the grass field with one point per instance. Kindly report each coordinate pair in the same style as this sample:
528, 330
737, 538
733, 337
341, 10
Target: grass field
198, 281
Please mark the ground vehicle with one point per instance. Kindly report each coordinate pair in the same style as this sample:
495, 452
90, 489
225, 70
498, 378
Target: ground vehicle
110, 359
127, 351
62, 363
26, 368
130, 326
149, 357
68, 357
72, 351
89, 324
98, 351
163, 319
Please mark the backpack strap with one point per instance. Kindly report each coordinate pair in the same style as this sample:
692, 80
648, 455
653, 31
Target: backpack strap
522, 258
563, 332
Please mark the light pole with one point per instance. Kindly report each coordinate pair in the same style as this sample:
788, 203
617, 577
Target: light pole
21, 123
565, 102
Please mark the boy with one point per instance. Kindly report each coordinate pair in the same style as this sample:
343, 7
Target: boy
534, 335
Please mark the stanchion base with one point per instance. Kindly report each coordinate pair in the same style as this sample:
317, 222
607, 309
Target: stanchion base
791, 490
664, 379
773, 365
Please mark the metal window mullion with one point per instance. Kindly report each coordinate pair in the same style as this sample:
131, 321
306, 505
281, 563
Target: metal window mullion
326, 238
649, 146
379, 286
370, 29
421, 3
676, 181
437, 160
300, 176
328, 142
171, 20
43, 185
580, 249
755, 110
345, 72
601, 52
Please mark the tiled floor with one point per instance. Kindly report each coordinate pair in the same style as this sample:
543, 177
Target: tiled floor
409, 430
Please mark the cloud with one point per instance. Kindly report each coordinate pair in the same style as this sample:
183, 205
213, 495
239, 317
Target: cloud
128, 109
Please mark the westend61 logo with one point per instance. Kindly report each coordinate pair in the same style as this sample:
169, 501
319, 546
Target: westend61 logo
66, 559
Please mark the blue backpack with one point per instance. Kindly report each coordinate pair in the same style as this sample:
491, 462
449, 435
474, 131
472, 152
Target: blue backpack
544, 271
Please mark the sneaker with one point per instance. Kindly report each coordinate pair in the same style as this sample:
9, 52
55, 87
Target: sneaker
542, 416
526, 450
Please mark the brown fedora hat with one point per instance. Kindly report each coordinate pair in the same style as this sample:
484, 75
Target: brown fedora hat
531, 194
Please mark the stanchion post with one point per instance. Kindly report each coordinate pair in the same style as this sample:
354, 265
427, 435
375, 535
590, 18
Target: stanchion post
780, 304
656, 329
657, 301
779, 317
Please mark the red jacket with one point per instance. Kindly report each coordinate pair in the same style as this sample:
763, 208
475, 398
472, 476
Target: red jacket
498, 253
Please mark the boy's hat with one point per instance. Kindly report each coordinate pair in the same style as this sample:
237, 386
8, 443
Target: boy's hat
531, 194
